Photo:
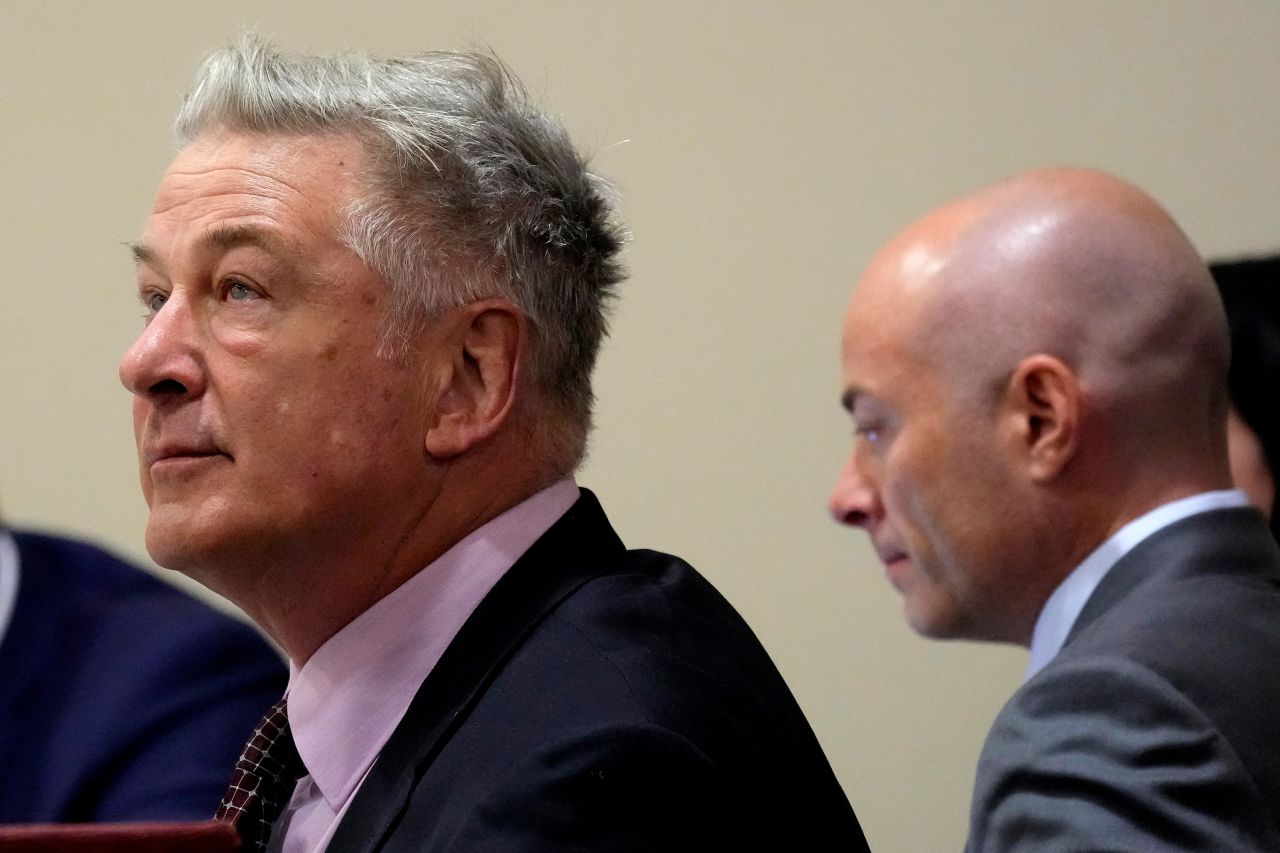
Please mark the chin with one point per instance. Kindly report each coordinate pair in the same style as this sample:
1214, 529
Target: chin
176, 550
935, 623
200, 551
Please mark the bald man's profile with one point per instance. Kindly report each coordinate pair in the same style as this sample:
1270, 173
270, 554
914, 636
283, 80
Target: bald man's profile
1037, 378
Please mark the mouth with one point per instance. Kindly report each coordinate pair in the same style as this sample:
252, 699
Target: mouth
897, 568
890, 557
180, 453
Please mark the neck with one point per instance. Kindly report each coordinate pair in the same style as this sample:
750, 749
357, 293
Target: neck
303, 595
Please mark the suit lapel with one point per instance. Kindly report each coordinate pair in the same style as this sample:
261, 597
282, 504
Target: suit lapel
1228, 541
567, 556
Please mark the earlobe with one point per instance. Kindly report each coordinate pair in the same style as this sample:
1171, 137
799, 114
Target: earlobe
485, 344
1045, 396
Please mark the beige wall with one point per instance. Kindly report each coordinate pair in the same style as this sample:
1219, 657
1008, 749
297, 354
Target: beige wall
763, 152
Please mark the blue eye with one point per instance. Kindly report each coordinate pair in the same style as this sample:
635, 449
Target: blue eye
153, 302
239, 292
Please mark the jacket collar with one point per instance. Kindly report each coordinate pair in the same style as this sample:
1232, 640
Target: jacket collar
567, 556
1223, 542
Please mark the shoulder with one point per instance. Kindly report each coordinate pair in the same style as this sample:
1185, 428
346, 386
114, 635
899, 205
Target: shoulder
640, 713
1089, 703
1210, 638
1100, 749
103, 593
82, 569
125, 680
1156, 719
659, 630
111, 632
673, 597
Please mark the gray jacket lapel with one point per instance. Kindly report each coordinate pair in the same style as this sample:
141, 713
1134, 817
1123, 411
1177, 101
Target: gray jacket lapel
1226, 541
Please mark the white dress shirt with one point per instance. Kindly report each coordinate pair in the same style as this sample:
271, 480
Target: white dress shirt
1064, 605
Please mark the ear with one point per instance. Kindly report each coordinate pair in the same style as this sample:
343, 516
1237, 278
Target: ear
485, 342
1044, 401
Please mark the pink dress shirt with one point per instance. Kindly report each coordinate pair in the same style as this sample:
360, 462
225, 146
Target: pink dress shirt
345, 702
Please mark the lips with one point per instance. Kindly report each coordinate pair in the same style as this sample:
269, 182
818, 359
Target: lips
897, 568
175, 451
890, 556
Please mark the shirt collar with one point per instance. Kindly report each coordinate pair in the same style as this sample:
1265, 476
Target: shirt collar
8, 580
1064, 605
347, 699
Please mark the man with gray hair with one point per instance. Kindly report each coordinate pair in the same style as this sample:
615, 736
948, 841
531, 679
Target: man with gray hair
375, 291
1037, 377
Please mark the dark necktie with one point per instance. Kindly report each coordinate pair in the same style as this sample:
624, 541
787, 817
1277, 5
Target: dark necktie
263, 780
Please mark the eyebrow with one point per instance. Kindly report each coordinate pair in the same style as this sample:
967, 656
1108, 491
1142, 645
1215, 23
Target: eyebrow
218, 238
142, 253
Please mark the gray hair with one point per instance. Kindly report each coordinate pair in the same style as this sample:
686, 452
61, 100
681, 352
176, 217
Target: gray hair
474, 194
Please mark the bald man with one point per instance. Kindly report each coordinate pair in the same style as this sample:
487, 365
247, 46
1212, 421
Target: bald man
1037, 377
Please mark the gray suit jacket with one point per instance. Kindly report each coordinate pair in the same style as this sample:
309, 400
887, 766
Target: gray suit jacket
1157, 727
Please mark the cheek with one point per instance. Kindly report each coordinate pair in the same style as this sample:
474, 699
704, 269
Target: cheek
240, 331
361, 421
943, 510
912, 486
140, 410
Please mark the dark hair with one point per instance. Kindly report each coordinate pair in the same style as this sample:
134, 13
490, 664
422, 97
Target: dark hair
1250, 291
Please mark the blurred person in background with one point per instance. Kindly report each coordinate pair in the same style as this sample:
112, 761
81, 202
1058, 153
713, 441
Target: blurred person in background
1250, 290
121, 697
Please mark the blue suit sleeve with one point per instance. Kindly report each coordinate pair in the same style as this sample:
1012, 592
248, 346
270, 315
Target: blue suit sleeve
170, 719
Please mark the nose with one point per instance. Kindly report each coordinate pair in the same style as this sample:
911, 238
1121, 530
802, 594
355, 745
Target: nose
163, 364
855, 501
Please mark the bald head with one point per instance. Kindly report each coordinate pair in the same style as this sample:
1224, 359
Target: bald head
1029, 368
1074, 264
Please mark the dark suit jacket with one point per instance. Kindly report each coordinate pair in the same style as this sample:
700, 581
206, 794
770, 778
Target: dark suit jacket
121, 698
601, 699
1157, 727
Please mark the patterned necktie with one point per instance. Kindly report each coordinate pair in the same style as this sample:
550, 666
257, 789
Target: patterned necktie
263, 780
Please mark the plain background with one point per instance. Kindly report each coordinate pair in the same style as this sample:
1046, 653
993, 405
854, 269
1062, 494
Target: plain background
763, 151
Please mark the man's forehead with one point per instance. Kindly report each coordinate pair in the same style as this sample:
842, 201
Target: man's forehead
272, 149
869, 352
262, 166
883, 350
222, 237
900, 302
908, 270
227, 189
880, 318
